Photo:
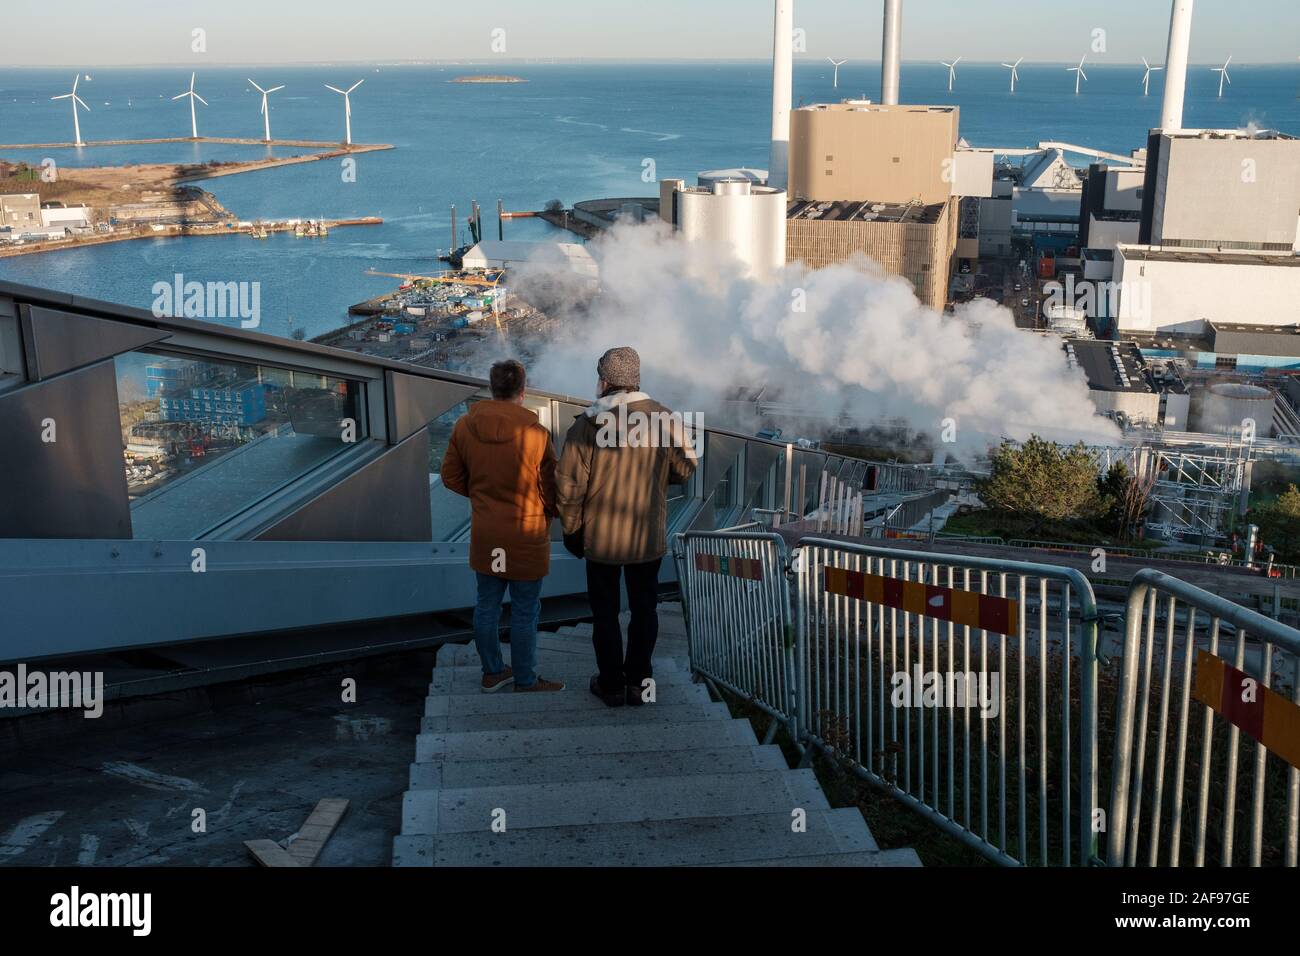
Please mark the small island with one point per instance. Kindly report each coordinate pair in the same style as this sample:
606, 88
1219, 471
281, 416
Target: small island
488, 78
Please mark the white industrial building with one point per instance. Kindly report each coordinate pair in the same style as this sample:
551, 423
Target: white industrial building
500, 254
1184, 290
59, 216
1218, 236
737, 215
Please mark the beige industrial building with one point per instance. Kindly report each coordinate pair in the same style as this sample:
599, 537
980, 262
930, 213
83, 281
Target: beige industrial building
20, 211
911, 240
884, 181
860, 150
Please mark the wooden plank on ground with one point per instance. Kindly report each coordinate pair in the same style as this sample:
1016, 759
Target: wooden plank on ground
317, 830
270, 853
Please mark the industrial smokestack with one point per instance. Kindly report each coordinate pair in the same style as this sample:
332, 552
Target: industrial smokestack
1180, 39
891, 52
778, 167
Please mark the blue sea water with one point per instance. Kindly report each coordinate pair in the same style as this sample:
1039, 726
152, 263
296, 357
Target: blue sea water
573, 132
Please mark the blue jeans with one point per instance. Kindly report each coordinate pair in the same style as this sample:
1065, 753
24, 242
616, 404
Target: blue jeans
525, 606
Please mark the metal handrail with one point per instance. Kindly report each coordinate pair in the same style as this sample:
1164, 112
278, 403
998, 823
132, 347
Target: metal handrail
1127, 774
771, 551
1074, 583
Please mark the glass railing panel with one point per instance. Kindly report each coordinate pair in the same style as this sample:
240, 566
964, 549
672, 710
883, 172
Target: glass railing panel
204, 439
450, 511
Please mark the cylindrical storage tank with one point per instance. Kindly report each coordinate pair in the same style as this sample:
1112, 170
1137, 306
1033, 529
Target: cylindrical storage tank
747, 219
1227, 407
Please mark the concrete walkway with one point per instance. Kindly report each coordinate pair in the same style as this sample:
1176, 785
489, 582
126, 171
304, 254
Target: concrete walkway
559, 779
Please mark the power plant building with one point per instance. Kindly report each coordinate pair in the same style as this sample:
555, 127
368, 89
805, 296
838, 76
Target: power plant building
884, 181
733, 213
1122, 384
1218, 241
911, 240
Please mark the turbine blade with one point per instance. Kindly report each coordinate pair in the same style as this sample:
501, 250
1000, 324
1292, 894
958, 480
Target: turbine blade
263, 109
75, 80
256, 87
334, 88
274, 88
1145, 63
63, 97
180, 96
192, 76
83, 105
355, 85
200, 99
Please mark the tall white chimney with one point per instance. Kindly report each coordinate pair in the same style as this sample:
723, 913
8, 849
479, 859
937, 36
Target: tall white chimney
778, 166
891, 52
1180, 39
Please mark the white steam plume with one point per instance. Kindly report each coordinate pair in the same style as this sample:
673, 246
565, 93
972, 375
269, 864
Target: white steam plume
863, 344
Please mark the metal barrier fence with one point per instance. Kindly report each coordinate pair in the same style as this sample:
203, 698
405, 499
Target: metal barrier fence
736, 599
902, 660
1245, 668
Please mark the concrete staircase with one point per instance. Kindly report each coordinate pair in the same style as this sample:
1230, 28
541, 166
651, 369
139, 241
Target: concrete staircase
672, 783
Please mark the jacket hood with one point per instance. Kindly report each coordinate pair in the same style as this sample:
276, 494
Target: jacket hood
495, 422
611, 402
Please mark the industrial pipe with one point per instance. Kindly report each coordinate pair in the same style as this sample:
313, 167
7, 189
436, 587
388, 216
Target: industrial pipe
778, 168
1180, 39
891, 52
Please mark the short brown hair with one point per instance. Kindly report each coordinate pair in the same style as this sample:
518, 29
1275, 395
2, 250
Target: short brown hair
506, 379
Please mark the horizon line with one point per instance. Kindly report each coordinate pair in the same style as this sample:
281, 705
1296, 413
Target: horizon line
545, 60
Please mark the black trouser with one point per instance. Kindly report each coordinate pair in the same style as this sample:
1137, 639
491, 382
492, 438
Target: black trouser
617, 669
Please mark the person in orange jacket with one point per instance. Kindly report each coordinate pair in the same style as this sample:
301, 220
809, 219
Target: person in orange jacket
501, 458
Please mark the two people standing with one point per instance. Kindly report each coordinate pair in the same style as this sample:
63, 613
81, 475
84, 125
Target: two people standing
608, 487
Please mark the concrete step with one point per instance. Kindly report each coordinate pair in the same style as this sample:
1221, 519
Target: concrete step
901, 857
542, 742
553, 654
604, 717
596, 803
467, 680
450, 773
552, 648
671, 629
575, 696
721, 840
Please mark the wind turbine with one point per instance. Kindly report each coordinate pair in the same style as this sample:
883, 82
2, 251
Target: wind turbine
194, 122
1079, 75
1146, 77
1223, 74
76, 124
347, 108
837, 64
952, 71
266, 110
1015, 74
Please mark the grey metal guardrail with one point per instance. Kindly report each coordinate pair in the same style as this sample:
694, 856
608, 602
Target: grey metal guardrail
903, 676
1219, 670
737, 604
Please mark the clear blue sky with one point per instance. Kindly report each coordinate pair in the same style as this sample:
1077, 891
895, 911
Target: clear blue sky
98, 33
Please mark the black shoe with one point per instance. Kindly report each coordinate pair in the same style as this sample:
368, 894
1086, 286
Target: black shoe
633, 694
610, 700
